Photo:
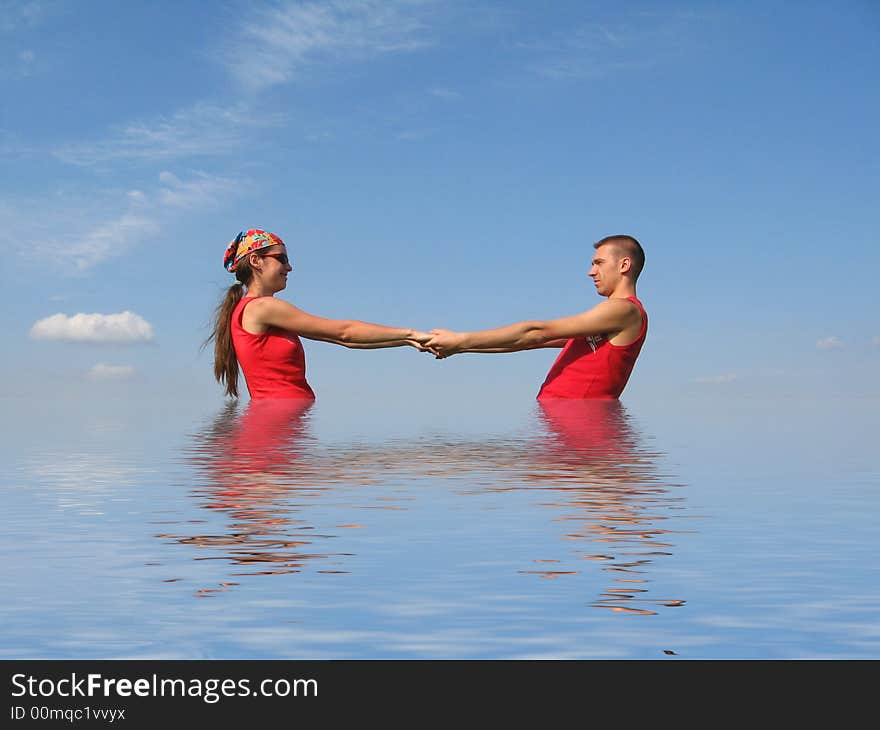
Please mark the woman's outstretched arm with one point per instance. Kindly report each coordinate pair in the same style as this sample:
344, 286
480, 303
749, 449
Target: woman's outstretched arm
266, 312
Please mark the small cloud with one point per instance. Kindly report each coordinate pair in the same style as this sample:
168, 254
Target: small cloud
716, 379
88, 227
413, 135
200, 190
446, 94
102, 371
829, 343
19, 65
18, 15
598, 51
202, 129
109, 239
612, 38
11, 145
122, 328
876, 341
284, 41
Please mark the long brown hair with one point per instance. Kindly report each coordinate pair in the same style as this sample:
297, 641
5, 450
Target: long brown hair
225, 361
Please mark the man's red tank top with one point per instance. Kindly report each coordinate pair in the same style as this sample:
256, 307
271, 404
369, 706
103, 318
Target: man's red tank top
273, 363
591, 367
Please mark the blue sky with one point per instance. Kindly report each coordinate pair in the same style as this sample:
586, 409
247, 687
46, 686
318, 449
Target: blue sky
443, 164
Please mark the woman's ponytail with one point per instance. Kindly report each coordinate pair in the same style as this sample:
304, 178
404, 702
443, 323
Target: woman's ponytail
225, 361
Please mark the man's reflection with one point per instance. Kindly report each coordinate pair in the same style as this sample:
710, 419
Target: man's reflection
592, 453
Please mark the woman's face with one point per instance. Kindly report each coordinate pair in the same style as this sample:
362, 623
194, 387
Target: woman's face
274, 267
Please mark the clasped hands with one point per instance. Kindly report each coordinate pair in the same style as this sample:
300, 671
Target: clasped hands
440, 343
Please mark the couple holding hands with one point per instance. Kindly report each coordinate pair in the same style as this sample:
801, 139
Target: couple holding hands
255, 330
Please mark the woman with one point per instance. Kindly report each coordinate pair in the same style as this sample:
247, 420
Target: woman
261, 333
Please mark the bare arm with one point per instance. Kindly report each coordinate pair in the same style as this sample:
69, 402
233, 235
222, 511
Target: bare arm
606, 318
266, 312
552, 343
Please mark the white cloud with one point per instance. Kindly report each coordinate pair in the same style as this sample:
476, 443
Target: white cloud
18, 65
413, 135
102, 371
11, 145
597, 51
586, 53
446, 94
281, 41
199, 130
109, 239
716, 379
200, 190
16, 15
829, 343
64, 222
18, 18
122, 328
612, 38
876, 341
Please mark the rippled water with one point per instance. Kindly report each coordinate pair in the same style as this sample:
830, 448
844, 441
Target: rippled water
577, 530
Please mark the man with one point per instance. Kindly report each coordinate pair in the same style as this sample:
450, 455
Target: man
600, 346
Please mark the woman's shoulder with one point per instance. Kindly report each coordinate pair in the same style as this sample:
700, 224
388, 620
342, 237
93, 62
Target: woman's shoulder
273, 312
267, 304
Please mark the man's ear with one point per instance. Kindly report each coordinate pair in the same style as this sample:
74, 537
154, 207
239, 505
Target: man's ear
625, 264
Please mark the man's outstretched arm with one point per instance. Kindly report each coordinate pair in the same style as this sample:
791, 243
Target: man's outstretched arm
486, 350
441, 334
606, 318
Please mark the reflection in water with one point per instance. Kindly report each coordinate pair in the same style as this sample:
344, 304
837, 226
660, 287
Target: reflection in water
257, 472
593, 457
82, 480
262, 470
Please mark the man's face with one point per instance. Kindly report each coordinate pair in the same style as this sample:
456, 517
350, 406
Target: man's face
605, 270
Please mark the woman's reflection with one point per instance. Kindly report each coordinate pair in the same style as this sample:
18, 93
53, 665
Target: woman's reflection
259, 473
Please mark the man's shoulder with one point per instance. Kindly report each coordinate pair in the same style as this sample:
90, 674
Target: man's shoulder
621, 306
619, 312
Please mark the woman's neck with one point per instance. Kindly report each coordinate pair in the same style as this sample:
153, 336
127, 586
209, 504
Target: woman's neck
255, 290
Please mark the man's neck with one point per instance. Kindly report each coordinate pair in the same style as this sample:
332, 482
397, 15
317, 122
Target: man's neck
623, 291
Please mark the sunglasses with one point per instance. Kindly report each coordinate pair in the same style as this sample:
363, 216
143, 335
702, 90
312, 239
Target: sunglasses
282, 257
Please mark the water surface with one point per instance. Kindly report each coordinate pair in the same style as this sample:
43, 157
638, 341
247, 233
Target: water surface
576, 530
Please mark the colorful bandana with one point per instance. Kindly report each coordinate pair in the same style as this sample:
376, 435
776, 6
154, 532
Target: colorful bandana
247, 242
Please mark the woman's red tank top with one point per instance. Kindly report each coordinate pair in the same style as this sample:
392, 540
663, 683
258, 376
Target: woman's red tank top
273, 363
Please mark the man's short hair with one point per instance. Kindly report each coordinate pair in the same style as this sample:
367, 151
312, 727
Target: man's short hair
627, 246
